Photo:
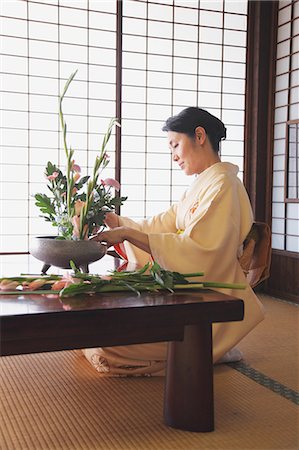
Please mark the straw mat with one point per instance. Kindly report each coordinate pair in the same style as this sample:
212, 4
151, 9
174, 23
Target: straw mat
58, 401
272, 347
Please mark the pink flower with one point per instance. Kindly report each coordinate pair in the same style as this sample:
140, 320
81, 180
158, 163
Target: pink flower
65, 281
36, 284
58, 285
8, 285
106, 277
78, 207
75, 167
76, 225
53, 176
76, 229
112, 183
76, 176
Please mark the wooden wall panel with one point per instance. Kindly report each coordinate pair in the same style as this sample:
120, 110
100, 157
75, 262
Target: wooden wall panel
258, 136
284, 276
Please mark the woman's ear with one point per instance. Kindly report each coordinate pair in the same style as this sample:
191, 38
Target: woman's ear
200, 134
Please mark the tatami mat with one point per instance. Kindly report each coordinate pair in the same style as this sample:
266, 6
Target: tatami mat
57, 401
272, 347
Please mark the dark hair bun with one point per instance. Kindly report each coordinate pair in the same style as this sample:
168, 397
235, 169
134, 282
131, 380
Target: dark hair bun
190, 118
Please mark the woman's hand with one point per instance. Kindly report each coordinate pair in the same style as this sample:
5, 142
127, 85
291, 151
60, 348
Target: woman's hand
112, 220
120, 234
114, 236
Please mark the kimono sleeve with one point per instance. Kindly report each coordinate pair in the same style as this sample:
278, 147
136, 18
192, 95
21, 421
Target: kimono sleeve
210, 240
161, 223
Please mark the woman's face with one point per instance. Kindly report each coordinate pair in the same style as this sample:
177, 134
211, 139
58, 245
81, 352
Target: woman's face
186, 152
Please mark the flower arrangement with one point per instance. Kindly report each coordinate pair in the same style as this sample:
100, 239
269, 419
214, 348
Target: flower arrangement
78, 204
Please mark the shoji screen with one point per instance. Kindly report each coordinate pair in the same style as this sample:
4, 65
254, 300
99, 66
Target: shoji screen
177, 54
42, 43
285, 208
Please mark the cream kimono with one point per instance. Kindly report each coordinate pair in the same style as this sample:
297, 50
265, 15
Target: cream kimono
204, 232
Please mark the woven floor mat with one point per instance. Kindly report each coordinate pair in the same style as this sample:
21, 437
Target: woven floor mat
272, 347
58, 401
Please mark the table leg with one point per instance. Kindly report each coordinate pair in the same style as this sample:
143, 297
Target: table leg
189, 403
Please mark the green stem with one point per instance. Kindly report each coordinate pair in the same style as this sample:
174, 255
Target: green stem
68, 152
194, 274
100, 163
224, 285
152, 287
37, 292
22, 279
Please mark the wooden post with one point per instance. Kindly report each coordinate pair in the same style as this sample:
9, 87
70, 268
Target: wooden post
189, 381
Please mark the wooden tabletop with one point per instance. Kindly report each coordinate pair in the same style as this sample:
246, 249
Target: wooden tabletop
35, 323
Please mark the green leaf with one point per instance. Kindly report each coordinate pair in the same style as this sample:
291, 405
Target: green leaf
81, 182
67, 84
44, 203
162, 277
51, 168
75, 289
117, 201
74, 267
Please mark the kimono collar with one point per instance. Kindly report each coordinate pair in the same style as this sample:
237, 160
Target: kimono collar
218, 168
212, 171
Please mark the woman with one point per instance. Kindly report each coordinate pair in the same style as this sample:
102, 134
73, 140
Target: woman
204, 231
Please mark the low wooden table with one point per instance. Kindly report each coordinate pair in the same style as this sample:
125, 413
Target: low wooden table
34, 323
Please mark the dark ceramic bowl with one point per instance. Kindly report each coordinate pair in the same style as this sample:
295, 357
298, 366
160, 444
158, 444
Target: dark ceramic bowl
59, 253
